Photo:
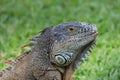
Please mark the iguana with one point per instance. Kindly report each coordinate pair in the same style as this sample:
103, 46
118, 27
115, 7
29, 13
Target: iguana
55, 54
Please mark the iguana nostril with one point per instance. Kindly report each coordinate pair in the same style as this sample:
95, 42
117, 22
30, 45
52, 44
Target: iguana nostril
60, 59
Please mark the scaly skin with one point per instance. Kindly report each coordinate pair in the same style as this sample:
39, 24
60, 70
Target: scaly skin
55, 54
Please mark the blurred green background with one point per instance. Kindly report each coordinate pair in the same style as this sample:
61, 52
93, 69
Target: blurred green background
21, 19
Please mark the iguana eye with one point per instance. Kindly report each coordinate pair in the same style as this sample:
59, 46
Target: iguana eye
71, 29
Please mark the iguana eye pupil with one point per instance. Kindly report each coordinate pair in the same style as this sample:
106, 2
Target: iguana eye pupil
71, 29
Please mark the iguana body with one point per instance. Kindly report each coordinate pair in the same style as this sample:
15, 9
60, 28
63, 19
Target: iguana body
55, 53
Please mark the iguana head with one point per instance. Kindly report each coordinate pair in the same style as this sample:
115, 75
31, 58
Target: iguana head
66, 42
71, 39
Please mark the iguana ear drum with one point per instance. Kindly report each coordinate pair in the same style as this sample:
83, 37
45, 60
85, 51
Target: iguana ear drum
62, 59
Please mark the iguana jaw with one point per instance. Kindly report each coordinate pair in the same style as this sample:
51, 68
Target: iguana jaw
68, 50
83, 50
81, 53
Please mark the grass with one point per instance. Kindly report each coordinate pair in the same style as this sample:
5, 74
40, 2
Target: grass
20, 19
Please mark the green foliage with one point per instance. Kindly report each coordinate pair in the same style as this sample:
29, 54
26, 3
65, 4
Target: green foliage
20, 19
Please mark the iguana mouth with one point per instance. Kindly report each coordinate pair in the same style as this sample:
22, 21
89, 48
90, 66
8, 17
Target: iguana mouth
95, 33
75, 38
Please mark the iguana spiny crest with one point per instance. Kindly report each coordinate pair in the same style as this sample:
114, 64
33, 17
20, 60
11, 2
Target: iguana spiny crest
60, 46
